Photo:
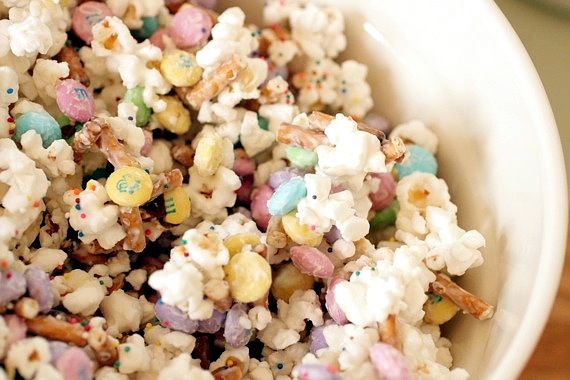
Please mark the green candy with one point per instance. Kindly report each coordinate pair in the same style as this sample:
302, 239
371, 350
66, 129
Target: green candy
385, 217
63, 121
301, 158
263, 123
150, 25
43, 123
135, 96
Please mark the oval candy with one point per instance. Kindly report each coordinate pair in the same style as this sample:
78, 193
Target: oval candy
315, 371
300, 233
259, 211
177, 205
311, 261
418, 160
174, 318
389, 362
249, 276
180, 68
74, 364
75, 100
150, 25
86, 15
129, 186
43, 123
301, 158
386, 192
189, 27
175, 117
135, 96
287, 196
12, 286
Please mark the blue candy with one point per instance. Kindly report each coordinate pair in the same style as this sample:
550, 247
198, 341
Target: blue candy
419, 160
44, 124
150, 25
287, 196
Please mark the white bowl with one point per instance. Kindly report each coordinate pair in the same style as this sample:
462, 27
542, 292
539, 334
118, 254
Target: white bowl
458, 66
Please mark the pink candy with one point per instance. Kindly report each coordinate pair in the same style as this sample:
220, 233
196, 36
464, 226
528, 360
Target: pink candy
244, 166
189, 27
85, 16
74, 364
311, 261
147, 147
389, 362
259, 211
17, 328
385, 193
334, 310
156, 38
75, 100
244, 192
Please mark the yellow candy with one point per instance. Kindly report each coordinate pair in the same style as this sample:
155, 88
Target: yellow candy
287, 280
439, 310
177, 205
129, 186
299, 232
208, 156
249, 276
175, 117
180, 68
235, 243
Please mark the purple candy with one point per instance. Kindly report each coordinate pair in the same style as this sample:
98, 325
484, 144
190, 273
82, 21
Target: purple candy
12, 286
189, 27
385, 193
212, 324
389, 362
74, 364
236, 336
317, 339
334, 310
75, 100
39, 288
307, 371
56, 348
174, 318
259, 211
333, 235
377, 122
17, 328
282, 176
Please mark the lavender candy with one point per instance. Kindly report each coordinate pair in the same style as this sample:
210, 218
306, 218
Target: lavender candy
56, 348
389, 362
282, 176
74, 364
174, 318
308, 371
39, 288
212, 324
12, 286
317, 339
236, 335
377, 122
333, 235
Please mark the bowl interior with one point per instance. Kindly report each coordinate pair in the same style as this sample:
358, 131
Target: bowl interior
459, 67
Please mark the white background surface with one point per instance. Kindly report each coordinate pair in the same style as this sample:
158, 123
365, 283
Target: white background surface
545, 32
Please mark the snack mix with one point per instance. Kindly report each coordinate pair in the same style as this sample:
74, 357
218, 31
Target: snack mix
186, 195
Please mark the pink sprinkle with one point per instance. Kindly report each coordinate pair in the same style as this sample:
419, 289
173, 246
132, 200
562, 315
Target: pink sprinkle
73, 320
313, 227
83, 216
87, 328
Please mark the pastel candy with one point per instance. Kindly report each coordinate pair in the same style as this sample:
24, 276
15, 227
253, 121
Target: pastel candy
419, 160
280, 177
315, 371
377, 122
333, 235
244, 166
175, 117
333, 309
245, 190
263, 123
174, 318
259, 211
129, 186
85, 16
212, 324
311, 261
150, 25
249, 276
180, 68
74, 364
287, 196
301, 158
300, 233
135, 96
177, 205
385, 217
389, 362
189, 27
12, 286
56, 348
43, 123
287, 279
386, 192
156, 38
236, 335
317, 339
75, 100
235, 243
39, 287
210, 4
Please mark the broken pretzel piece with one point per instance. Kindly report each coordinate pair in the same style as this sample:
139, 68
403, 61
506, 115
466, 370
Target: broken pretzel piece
466, 301
86, 138
55, 329
320, 120
389, 333
165, 182
290, 134
213, 84
183, 154
132, 223
116, 153
76, 69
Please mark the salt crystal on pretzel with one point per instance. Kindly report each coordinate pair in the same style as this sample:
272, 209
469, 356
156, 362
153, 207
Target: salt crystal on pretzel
466, 301
76, 70
214, 83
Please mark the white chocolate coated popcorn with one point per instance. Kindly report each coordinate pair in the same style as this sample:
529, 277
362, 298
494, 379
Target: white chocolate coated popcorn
130, 60
354, 92
27, 356
94, 219
122, 312
417, 133
47, 74
132, 11
184, 367
253, 138
56, 160
9, 88
277, 11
